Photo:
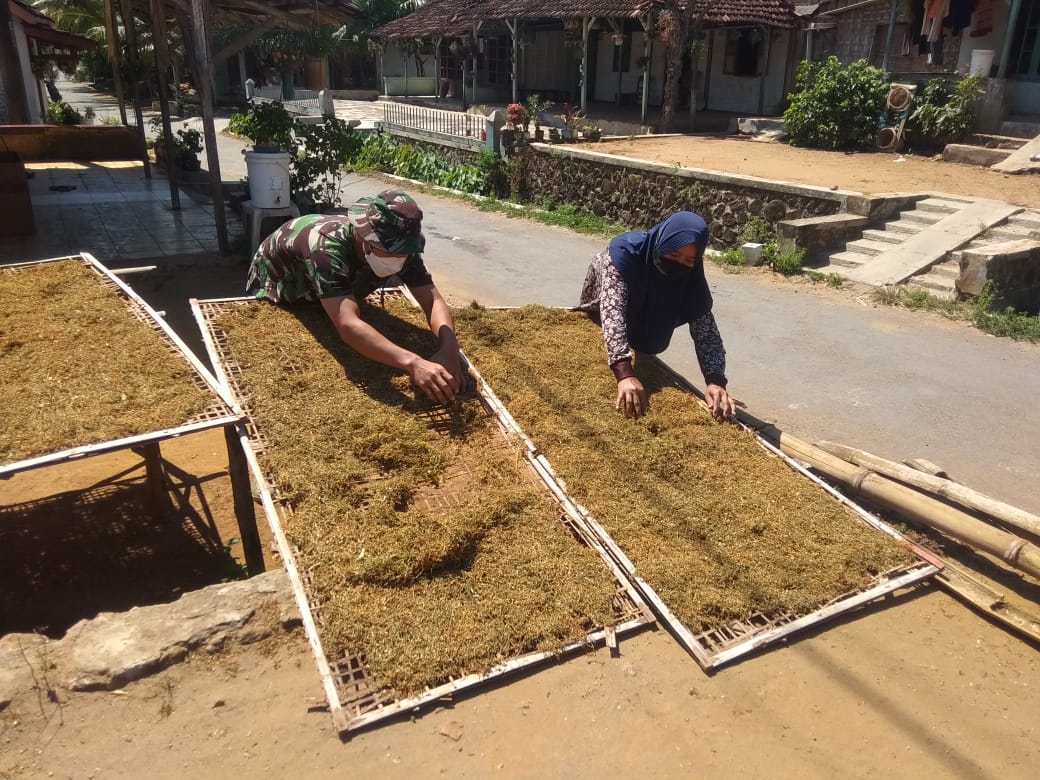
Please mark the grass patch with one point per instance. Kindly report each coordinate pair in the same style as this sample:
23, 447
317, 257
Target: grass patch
433, 551
79, 367
1007, 323
834, 281
717, 526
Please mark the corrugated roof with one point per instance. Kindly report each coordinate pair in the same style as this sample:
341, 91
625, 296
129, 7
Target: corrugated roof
456, 17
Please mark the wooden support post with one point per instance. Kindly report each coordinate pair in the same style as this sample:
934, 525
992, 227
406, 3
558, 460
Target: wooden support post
200, 11
11, 71
162, 67
155, 477
245, 513
112, 33
133, 59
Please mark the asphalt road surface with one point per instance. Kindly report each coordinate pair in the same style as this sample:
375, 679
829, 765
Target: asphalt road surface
819, 364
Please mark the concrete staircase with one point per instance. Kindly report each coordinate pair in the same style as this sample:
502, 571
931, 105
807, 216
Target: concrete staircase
941, 279
919, 237
891, 233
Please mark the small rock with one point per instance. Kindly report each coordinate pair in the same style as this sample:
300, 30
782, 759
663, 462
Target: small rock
452, 730
218, 703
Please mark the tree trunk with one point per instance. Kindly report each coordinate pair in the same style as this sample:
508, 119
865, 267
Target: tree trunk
678, 22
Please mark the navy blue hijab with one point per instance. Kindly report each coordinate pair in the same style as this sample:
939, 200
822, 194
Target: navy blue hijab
662, 294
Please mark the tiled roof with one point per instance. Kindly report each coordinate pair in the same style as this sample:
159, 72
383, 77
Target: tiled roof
455, 17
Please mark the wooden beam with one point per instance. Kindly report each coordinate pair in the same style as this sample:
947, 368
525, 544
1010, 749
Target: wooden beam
133, 60
200, 10
11, 70
245, 40
242, 497
112, 34
162, 68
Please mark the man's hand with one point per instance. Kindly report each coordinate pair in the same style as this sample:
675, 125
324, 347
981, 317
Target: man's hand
720, 404
448, 356
631, 398
436, 381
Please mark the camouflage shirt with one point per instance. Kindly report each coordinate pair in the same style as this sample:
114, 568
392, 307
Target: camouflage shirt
315, 257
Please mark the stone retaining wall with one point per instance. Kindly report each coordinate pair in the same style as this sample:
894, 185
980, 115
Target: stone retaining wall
639, 194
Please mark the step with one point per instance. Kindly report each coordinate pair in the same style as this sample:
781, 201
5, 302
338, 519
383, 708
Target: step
867, 247
849, 259
887, 236
1008, 233
920, 217
904, 229
941, 205
1029, 220
949, 270
939, 289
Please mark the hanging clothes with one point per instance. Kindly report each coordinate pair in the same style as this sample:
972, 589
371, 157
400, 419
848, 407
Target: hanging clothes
959, 15
934, 13
982, 19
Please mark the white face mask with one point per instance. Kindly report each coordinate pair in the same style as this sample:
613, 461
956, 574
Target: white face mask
384, 266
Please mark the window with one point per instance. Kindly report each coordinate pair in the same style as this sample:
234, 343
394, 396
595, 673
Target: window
743, 52
498, 60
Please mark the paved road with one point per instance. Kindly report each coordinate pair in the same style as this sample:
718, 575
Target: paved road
818, 364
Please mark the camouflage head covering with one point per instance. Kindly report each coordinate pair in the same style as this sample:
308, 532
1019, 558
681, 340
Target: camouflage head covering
391, 221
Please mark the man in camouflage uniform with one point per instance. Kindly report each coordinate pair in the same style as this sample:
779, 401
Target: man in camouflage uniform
339, 259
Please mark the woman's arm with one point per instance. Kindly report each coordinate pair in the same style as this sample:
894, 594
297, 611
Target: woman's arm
631, 396
711, 356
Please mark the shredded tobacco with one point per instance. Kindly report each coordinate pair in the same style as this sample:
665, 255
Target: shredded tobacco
719, 527
432, 551
79, 368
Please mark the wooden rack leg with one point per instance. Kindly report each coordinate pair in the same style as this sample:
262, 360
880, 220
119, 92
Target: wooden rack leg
155, 477
245, 512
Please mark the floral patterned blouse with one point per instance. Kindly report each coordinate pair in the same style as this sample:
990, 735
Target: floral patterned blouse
605, 295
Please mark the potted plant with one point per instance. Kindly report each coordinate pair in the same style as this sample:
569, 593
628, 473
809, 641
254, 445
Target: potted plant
270, 128
534, 106
573, 118
591, 133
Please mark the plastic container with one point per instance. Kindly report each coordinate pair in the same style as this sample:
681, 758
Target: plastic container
981, 62
268, 179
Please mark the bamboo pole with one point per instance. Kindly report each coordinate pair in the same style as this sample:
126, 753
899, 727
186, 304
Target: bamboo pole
112, 36
960, 494
162, 67
913, 505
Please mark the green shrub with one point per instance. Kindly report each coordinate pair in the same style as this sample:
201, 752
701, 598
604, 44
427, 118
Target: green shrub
61, 113
732, 256
784, 260
187, 145
323, 151
836, 105
945, 112
382, 152
757, 231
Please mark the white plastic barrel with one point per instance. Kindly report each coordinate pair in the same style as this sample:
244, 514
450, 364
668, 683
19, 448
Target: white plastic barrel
981, 62
268, 179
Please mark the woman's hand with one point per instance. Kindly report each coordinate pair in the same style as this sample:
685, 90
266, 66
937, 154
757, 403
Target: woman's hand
631, 398
720, 404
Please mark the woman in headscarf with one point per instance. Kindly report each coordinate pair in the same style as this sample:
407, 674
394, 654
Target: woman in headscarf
642, 287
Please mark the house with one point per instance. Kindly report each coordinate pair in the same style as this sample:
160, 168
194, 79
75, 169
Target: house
488, 51
27, 40
997, 39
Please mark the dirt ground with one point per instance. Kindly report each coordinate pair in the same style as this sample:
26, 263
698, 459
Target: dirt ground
916, 685
867, 172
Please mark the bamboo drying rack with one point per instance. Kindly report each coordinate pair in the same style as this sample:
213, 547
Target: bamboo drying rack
718, 646
355, 699
221, 411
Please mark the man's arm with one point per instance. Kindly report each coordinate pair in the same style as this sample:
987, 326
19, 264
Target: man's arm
441, 323
430, 377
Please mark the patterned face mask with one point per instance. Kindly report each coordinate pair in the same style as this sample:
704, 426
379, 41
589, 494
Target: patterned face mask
384, 266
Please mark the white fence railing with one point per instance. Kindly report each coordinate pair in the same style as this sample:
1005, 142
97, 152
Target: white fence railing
435, 120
